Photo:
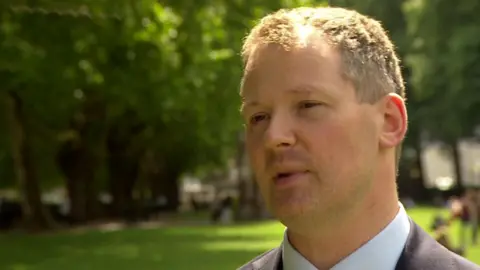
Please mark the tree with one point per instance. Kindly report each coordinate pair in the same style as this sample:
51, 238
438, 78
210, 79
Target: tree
444, 61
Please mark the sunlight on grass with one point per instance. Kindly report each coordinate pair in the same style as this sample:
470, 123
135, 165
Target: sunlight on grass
262, 229
19, 267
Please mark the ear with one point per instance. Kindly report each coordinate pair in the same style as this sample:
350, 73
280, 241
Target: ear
395, 121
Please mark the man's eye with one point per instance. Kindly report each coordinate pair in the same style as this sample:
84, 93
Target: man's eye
309, 104
257, 118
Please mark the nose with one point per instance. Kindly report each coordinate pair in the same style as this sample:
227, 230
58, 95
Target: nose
280, 132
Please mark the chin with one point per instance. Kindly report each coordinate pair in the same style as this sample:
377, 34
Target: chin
304, 217
293, 213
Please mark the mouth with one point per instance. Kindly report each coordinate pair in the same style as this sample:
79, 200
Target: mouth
284, 178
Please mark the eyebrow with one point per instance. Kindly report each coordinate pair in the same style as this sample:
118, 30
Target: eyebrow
317, 90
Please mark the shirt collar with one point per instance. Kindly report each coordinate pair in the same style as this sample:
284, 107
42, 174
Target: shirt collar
381, 252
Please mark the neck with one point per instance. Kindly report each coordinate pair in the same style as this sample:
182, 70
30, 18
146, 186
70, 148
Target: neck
330, 243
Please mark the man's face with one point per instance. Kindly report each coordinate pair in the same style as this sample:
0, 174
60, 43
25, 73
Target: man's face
312, 145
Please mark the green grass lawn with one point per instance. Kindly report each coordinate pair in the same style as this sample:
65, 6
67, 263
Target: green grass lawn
202, 247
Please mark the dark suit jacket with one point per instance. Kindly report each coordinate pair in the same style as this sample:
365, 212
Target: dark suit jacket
421, 252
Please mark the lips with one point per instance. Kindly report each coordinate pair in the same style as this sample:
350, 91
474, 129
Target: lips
281, 175
287, 174
287, 178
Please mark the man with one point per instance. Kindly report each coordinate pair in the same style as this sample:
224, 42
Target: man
469, 217
440, 228
323, 102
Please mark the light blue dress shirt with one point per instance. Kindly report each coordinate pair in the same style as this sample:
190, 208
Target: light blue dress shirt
380, 253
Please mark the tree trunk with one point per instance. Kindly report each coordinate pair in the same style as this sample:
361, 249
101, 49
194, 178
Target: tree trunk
94, 138
80, 157
457, 167
92, 202
71, 161
172, 189
164, 184
124, 155
123, 173
78, 201
34, 213
412, 174
261, 211
242, 184
249, 204
422, 194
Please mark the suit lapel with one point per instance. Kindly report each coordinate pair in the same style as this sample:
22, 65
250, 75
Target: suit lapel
271, 261
423, 252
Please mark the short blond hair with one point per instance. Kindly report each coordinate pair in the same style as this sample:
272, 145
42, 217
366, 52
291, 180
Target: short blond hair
368, 55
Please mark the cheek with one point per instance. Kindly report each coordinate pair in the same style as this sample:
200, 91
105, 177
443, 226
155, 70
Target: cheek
336, 146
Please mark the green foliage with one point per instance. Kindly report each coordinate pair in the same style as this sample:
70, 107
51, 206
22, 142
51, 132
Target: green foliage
175, 64
444, 56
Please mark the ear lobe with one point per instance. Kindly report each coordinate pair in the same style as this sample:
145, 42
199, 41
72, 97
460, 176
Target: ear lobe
395, 121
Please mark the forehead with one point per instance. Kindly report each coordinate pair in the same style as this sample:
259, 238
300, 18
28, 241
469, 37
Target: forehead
272, 67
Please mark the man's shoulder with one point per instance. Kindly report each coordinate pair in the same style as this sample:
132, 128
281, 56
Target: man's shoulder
423, 252
261, 261
420, 252
447, 259
456, 261
464, 264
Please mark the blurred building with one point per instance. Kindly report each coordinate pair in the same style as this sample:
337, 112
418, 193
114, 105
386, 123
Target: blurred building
439, 165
